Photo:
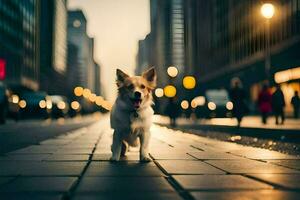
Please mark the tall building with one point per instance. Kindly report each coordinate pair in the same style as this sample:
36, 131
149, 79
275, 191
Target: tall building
77, 36
19, 42
53, 46
98, 84
91, 65
236, 44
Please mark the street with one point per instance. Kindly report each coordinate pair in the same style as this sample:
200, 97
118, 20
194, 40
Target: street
73, 163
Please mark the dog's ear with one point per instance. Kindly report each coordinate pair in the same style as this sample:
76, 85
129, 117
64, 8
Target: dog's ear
150, 76
121, 76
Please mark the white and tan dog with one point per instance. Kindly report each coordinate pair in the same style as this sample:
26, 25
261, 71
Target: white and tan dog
131, 115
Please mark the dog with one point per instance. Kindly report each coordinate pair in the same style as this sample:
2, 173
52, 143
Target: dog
131, 114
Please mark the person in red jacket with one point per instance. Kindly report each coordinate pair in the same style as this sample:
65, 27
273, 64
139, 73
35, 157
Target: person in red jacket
265, 103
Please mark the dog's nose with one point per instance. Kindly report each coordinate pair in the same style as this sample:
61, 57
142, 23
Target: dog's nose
137, 95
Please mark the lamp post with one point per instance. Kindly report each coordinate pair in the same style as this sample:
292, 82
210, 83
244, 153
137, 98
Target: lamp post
267, 11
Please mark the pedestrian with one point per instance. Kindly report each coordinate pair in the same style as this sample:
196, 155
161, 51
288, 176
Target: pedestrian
173, 111
296, 104
238, 97
264, 103
278, 105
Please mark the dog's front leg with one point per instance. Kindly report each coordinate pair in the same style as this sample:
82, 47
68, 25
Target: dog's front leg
144, 147
116, 146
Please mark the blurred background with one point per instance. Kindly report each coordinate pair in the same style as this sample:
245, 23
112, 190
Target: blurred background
58, 57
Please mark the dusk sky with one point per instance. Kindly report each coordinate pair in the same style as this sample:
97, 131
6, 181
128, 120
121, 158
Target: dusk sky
116, 26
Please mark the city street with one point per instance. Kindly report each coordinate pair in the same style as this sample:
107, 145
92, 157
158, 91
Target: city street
75, 165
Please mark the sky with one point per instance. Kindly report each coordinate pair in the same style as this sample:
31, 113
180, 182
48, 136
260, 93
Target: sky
116, 25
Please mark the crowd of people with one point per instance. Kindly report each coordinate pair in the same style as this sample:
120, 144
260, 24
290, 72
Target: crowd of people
267, 102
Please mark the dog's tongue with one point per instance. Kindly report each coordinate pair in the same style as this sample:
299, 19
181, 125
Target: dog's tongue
137, 103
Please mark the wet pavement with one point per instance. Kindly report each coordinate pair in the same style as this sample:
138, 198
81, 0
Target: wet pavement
75, 165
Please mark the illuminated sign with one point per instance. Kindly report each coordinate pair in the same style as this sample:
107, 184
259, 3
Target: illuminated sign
2, 69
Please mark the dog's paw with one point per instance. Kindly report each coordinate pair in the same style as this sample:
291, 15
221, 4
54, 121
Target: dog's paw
145, 159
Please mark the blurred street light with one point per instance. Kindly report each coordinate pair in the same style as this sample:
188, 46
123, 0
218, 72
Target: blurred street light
211, 106
15, 98
170, 91
92, 97
22, 104
172, 71
99, 101
194, 103
78, 91
49, 104
159, 92
61, 105
184, 104
267, 10
86, 93
75, 105
42, 104
189, 82
229, 105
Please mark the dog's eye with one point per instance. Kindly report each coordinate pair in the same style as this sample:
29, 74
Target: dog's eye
130, 86
143, 86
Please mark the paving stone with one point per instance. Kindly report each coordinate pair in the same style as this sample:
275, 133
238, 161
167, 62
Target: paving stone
256, 153
30, 196
124, 184
171, 156
246, 195
188, 167
38, 149
131, 196
291, 181
74, 151
24, 157
56, 141
122, 169
249, 166
205, 155
67, 157
39, 184
294, 164
35, 168
107, 156
218, 182
4, 180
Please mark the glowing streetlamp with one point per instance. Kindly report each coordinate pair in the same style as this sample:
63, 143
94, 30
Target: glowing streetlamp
170, 91
267, 10
189, 82
172, 71
78, 91
184, 104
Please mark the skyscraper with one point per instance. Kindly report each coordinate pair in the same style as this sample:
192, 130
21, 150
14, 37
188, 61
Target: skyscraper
53, 45
19, 42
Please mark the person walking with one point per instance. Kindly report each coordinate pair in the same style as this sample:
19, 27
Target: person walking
264, 103
238, 96
173, 111
296, 104
278, 105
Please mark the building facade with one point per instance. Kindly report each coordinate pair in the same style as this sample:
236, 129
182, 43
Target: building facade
53, 46
19, 42
236, 43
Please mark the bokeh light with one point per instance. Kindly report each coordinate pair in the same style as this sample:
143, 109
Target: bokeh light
211, 106
86, 93
172, 71
189, 82
159, 92
42, 104
78, 91
184, 104
170, 91
267, 10
75, 105
92, 97
61, 105
22, 104
229, 105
